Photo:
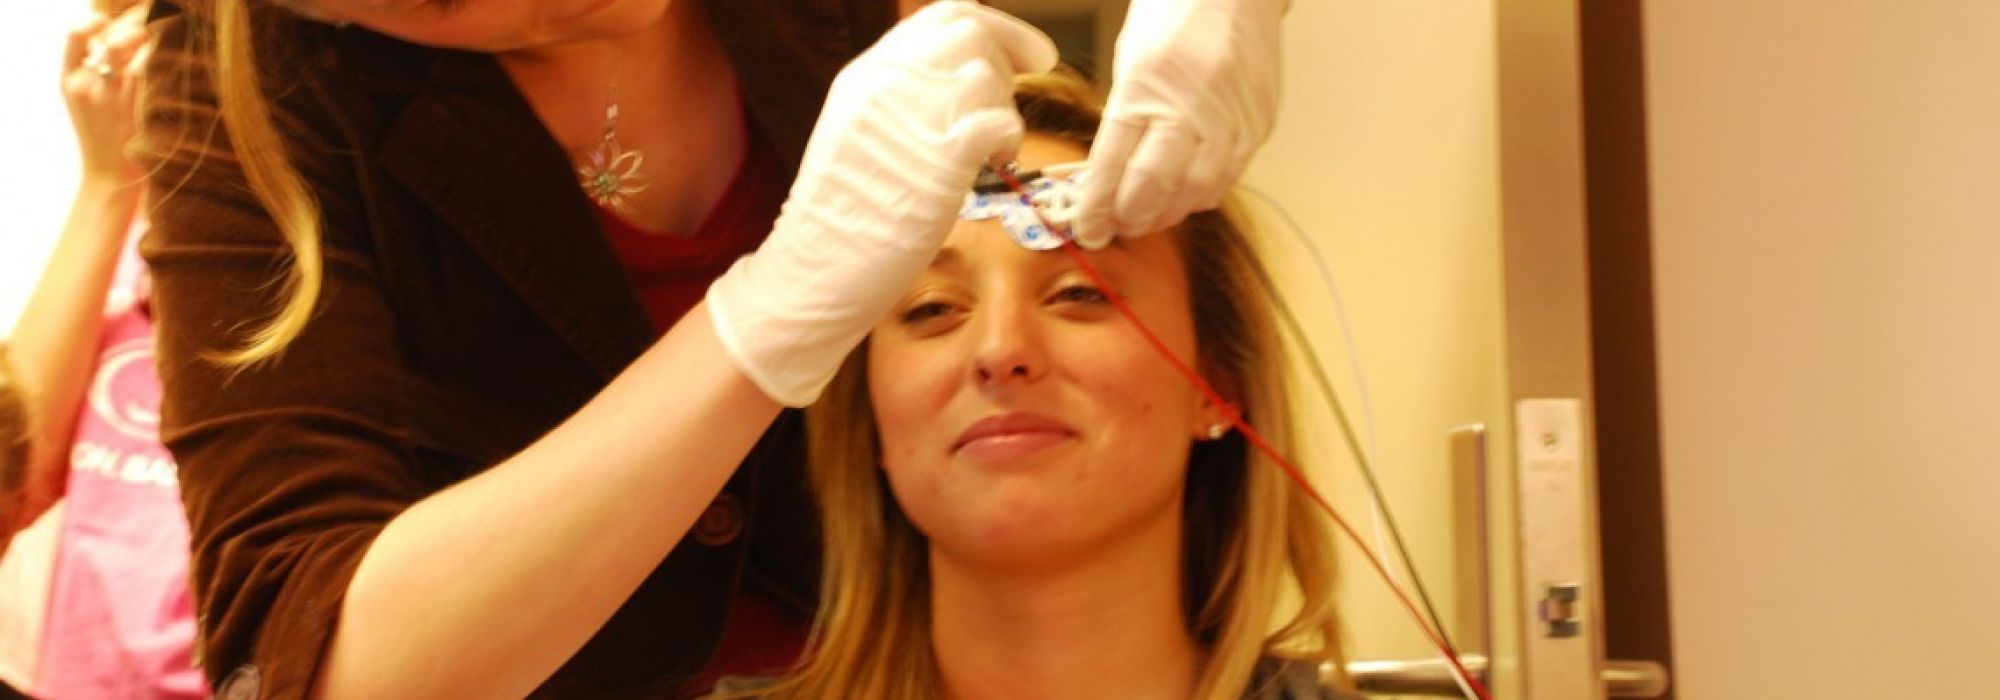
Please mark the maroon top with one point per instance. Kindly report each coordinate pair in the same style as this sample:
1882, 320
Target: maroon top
671, 270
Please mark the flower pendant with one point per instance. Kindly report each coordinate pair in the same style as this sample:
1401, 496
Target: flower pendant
610, 174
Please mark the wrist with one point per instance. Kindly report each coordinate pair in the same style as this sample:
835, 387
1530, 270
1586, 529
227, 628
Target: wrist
110, 186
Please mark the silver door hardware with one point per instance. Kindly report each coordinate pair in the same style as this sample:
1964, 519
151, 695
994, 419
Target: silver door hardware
1432, 678
1558, 609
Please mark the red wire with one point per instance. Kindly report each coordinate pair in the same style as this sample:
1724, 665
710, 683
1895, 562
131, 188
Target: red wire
1118, 301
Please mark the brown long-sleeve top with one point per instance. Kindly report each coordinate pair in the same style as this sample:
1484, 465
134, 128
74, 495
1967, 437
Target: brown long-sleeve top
471, 303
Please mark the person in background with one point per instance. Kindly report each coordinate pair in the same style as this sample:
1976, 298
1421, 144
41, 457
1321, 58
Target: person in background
119, 622
57, 332
1021, 499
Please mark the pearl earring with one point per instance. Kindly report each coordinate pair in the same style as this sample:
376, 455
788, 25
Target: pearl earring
1216, 431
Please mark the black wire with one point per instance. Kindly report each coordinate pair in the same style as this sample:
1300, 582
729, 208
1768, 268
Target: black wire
1347, 432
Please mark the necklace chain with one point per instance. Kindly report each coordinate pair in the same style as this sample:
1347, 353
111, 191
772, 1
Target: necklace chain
608, 173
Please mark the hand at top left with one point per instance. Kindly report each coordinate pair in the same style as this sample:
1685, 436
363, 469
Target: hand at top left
102, 69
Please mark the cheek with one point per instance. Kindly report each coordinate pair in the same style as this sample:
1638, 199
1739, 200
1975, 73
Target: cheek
908, 388
1132, 383
1145, 405
1146, 410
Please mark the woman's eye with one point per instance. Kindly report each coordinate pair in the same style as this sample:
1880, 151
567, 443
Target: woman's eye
1080, 294
925, 312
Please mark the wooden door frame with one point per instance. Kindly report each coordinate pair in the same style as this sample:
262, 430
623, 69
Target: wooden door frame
1576, 232
1631, 501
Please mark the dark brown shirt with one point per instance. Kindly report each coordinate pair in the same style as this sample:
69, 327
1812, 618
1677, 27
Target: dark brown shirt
471, 303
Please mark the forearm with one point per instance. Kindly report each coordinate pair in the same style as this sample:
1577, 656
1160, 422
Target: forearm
54, 345
486, 588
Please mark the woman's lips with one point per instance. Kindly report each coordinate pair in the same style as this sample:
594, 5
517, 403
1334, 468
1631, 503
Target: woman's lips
1010, 435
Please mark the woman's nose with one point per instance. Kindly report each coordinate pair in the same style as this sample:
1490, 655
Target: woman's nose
1008, 346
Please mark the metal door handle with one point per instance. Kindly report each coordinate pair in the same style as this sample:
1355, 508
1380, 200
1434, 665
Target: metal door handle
1432, 678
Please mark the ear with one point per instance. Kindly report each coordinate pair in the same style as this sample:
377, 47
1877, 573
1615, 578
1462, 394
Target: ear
1210, 415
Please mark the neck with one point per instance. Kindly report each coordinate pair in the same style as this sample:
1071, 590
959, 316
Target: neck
1106, 625
674, 25
676, 60
677, 104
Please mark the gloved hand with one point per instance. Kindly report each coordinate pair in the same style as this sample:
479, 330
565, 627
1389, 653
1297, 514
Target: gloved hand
905, 129
1194, 91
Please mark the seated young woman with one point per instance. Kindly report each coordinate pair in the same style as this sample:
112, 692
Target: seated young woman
1020, 499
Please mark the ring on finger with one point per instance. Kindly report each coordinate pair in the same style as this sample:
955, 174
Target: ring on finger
99, 60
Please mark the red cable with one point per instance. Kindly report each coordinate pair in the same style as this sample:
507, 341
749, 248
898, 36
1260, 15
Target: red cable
1235, 418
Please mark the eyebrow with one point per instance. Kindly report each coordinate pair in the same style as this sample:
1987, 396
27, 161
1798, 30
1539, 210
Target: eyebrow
947, 257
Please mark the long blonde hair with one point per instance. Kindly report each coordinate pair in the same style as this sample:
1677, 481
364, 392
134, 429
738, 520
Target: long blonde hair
222, 33
1249, 535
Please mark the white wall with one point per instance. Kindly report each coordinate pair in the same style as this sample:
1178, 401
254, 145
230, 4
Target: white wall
1826, 198
1386, 151
38, 161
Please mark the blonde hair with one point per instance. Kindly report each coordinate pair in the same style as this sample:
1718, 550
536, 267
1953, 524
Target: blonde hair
223, 32
15, 431
1249, 535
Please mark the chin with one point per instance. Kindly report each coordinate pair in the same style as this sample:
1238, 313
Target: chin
621, 18
1010, 536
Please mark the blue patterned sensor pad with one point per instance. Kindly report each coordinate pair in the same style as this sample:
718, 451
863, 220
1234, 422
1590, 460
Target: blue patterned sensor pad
1054, 192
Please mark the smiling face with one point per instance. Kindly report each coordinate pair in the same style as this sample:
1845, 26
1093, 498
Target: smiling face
1091, 474
490, 25
1021, 418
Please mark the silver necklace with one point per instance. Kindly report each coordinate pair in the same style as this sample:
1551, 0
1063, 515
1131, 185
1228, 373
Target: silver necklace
608, 173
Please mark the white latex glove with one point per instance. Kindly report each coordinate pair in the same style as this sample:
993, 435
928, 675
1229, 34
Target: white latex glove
905, 129
1194, 90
